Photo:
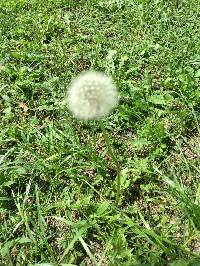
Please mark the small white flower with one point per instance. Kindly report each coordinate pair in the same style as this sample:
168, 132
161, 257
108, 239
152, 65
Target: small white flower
91, 95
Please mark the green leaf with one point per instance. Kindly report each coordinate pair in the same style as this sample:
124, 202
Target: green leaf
197, 74
179, 263
157, 99
102, 208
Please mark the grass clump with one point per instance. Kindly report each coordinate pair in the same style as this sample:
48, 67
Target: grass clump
57, 181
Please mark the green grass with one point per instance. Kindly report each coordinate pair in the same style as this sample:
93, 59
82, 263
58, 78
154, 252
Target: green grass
57, 180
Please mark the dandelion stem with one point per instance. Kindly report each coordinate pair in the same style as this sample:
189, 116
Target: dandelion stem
114, 158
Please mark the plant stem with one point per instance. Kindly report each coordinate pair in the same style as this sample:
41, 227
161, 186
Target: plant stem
114, 158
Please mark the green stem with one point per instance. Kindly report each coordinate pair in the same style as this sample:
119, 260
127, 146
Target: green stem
114, 158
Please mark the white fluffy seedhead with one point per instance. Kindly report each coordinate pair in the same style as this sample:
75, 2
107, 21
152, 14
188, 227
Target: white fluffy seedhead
91, 95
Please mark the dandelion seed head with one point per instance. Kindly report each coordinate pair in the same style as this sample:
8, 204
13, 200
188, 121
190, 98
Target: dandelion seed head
91, 95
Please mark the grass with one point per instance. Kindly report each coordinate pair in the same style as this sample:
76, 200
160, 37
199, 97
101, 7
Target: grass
57, 180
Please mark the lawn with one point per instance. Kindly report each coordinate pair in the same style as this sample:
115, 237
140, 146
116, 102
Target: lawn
57, 179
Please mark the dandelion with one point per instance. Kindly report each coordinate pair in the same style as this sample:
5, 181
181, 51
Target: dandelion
92, 95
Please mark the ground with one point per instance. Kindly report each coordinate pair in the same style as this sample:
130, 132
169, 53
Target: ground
57, 179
